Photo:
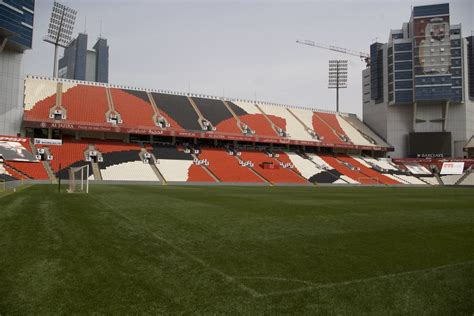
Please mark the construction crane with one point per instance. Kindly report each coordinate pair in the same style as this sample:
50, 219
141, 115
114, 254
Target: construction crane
363, 56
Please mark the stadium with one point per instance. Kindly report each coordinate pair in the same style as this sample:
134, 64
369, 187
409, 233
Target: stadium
120, 199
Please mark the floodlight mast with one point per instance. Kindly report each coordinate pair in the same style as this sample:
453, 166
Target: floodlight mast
60, 30
337, 77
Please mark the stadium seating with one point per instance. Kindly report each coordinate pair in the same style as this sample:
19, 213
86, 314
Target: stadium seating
292, 126
357, 124
7, 174
227, 167
40, 96
122, 162
330, 173
469, 180
354, 135
114, 146
413, 180
129, 171
331, 122
133, 107
250, 115
380, 163
177, 166
308, 169
279, 175
69, 154
348, 169
427, 179
179, 109
33, 170
328, 133
216, 112
86, 104
450, 179
367, 171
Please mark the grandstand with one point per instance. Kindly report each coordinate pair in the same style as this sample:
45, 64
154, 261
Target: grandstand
129, 134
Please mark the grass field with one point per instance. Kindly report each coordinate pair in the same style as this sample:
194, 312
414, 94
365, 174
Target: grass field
240, 250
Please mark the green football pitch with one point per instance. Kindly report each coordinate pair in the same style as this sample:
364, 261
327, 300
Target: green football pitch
237, 250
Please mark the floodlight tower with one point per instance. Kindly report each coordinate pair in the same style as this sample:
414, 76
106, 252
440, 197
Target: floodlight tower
60, 30
337, 77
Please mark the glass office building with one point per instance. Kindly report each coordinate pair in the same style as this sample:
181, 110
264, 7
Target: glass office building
16, 36
80, 63
418, 83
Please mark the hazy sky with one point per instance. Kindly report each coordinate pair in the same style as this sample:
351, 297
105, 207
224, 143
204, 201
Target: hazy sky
235, 48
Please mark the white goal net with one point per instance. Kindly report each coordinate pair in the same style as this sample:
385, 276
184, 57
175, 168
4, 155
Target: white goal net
79, 179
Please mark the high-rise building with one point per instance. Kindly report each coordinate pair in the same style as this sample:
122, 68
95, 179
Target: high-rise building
417, 91
16, 36
80, 63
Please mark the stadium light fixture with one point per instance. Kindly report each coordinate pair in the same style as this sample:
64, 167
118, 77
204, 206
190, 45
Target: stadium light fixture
337, 77
61, 26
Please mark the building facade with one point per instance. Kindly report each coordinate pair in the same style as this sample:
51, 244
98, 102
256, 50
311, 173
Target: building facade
16, 36
80, 63
417, 91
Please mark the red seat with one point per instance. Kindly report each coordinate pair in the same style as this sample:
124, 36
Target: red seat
226, 167
280, 175
368, 171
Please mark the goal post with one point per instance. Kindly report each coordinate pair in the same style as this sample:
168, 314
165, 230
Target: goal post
79, 180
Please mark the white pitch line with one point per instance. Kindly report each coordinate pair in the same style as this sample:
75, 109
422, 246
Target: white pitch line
317, 286
183, 252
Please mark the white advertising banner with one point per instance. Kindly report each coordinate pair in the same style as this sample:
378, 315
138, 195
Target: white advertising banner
452, 168
45, 141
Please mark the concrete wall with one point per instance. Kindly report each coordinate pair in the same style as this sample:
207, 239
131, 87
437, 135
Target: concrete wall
11, 92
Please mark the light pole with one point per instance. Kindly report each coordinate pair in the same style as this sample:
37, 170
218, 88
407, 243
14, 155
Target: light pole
61, 26
337, 77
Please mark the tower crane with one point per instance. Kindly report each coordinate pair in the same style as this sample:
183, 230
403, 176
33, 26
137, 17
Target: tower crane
363, 56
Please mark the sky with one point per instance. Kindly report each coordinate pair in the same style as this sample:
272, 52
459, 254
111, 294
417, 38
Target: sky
242, 49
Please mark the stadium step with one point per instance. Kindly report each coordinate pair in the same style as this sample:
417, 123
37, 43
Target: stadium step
464, 176
236, 117
158, 174
438, 178
49, 171
256, 173
46, 164
306, 127
320, 167
110, 102
208, 171
198, 112
156, 111
274, 126
96, 171
292, 170
153, 165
